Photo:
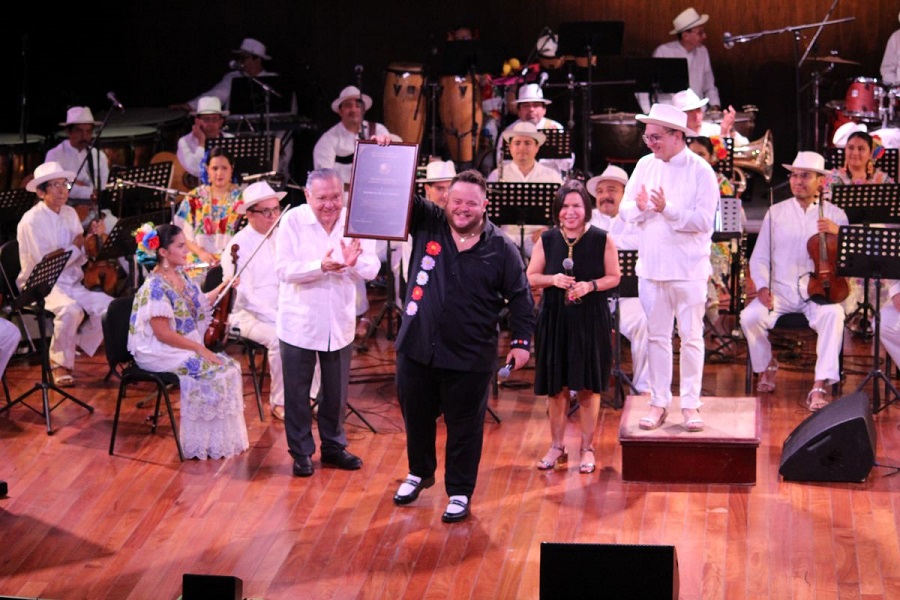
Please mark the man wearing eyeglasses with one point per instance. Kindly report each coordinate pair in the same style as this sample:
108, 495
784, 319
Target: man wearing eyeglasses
51, 225
671, 197
256, 298
778, 264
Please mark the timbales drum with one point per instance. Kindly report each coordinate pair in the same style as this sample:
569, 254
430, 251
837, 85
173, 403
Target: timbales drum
864, 98
404, 103
129, 146
460, 112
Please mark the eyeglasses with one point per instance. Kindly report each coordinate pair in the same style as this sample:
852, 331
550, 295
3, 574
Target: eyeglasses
59, 185
266, 212
653, 138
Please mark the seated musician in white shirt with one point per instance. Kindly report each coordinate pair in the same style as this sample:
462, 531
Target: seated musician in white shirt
531, 107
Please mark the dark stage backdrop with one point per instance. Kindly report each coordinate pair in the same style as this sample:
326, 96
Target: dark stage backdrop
156, 53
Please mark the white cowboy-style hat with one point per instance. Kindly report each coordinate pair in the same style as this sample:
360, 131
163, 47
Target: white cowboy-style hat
666, 115
209, 105
438, 170
808, 161
351, 91
48, 171
842, 133
253, 47
687, 19
532, 92
688, 100
524, 129
611, 173
78, 115
256, 193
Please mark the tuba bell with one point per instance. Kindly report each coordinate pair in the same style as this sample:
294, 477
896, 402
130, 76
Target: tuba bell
757, 156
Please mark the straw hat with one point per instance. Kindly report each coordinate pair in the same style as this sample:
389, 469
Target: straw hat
253, 47
666, 115
532, 92
438, 170
808, 161
524, 129
48, 172
78, 115
687, 19
611, 173
351, 91
842, 133
256, 193
209, 105
688, 100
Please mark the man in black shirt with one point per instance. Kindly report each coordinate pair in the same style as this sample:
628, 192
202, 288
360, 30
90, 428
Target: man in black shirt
463, 272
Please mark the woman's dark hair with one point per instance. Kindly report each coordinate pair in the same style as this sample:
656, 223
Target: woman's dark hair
166, 233
864, 137
210, 154
569, 187
703, 141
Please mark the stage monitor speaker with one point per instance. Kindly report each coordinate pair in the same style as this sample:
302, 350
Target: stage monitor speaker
837, 443
211, 587
576, 571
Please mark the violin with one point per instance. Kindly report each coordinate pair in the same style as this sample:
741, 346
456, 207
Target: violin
824, 286
99, 274
216, 333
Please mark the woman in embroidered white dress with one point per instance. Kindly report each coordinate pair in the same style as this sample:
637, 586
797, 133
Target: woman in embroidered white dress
168, 319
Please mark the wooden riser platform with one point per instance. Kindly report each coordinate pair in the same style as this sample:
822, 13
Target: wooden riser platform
724, 452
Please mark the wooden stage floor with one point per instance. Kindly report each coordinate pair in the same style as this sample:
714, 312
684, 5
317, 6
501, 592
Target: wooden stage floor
80, 524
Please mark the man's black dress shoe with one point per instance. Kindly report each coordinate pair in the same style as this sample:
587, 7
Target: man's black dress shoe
342, 460
303, 467
453, 517
401, 500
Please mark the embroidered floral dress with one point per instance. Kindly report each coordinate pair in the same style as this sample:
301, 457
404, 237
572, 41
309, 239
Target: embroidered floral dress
212, 399
209, 222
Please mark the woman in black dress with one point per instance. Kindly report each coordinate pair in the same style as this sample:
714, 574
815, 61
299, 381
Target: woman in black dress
575, 264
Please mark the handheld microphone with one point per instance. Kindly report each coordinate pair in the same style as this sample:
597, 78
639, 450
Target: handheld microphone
727, 40
543, 78
505, 370
568, 265
116, 104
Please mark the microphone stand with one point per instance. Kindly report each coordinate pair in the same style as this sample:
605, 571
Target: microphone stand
23, 113
267, 117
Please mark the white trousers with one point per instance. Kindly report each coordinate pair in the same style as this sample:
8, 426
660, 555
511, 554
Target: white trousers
10, 336
68, 306
890, 331
264, 333
826, 319
682, 302
633, 325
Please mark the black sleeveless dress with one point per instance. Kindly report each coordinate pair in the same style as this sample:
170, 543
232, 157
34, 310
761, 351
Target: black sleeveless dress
573, 348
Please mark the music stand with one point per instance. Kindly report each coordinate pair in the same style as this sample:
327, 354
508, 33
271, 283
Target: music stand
249, 153
725, 165
627, 288
13, 205
729, 227
871, 252
658, 75
35, 291
390, 308
247, 99
515, 203
120, 241
866, 204
889, 162
125, 195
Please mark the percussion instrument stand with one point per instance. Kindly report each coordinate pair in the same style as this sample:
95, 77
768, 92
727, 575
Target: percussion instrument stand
627, 288
871, 252
390, 305
40, 283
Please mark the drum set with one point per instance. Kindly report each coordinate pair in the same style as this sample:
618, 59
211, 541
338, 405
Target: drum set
867, 102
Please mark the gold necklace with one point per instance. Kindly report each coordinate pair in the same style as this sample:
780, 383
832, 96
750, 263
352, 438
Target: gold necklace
465, 238
571, 245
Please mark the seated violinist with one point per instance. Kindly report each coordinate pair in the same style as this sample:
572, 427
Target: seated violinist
51, 225
780, 265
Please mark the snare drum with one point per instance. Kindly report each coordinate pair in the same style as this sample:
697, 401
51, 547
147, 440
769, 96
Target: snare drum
864, 98
457, 110
129, 146
18, 159
404, 106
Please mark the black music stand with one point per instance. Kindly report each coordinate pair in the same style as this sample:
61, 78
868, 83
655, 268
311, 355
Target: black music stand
729, 228
515, 203
120, 241
658, 75
124, 195
249, 153
13, 205
866, 204
725, 166
871, 252
627, 288
34, 293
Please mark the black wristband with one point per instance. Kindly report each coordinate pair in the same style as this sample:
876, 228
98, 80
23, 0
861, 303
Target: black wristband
594, 284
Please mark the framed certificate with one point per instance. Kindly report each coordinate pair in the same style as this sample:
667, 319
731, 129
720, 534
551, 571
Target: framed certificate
382, 185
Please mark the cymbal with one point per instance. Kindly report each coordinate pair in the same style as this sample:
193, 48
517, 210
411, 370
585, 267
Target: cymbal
835, 59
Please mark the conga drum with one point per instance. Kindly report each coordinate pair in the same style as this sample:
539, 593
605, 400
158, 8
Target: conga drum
460, 103
404, 105
19, 158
